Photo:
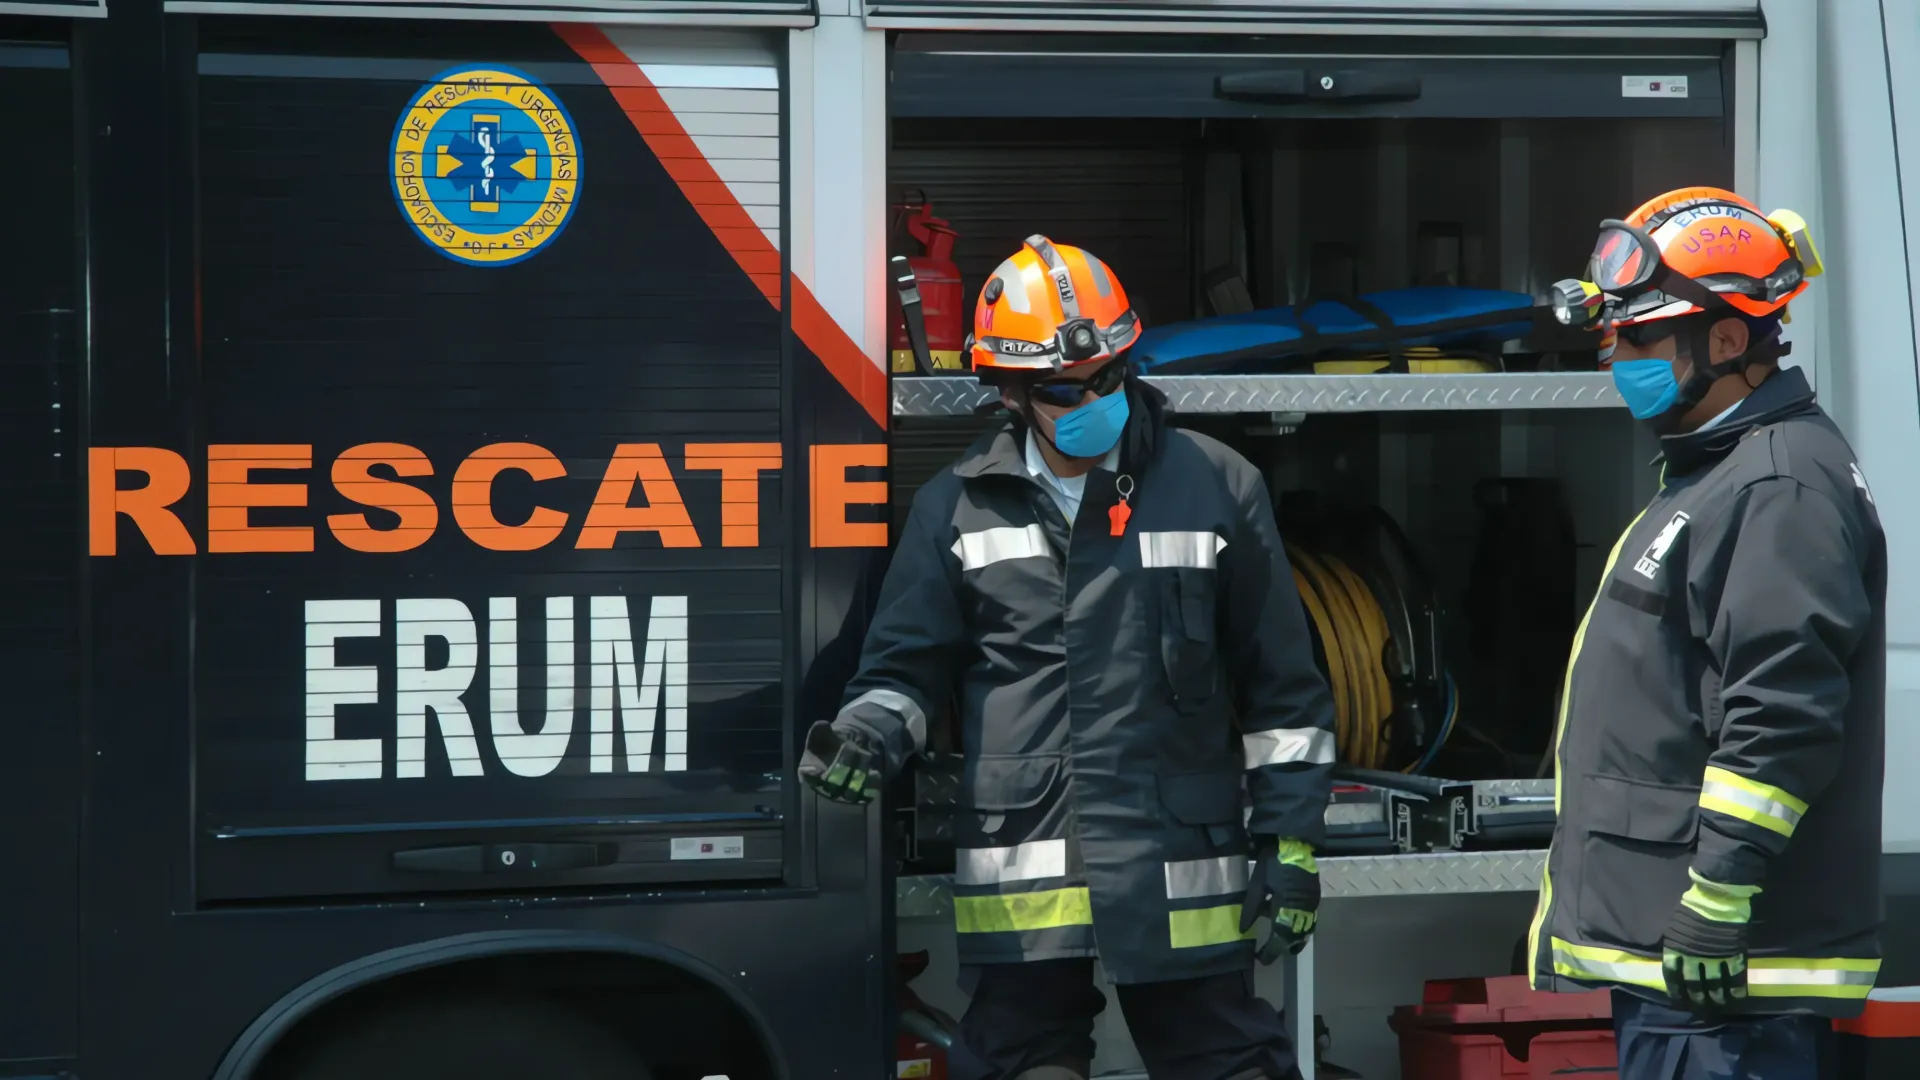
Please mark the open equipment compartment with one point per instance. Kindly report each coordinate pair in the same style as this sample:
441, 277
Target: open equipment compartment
1197, 161
1308, 166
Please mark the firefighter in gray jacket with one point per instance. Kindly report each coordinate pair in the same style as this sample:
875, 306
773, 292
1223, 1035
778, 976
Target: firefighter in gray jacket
1109, 600
1716, 858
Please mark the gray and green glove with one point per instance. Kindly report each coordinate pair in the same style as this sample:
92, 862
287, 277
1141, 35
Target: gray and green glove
842, 762
1704, 955
1284, 884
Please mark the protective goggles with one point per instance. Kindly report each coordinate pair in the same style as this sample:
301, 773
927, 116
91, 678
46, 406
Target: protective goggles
1627, 277
1068, 393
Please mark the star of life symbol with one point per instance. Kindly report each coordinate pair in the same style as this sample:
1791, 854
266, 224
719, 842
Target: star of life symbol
470, 159
1649, 562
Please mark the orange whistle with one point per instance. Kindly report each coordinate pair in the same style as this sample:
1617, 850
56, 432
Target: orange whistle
1118, 514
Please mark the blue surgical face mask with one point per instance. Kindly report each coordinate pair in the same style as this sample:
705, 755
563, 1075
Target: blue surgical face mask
1647, 386
1092, 429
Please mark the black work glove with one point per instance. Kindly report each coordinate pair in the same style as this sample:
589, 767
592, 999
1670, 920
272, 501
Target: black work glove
1705, 961
841, 762
1284, 884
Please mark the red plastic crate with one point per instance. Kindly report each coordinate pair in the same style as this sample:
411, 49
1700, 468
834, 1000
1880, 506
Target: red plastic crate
1560, 1055
1482, 1029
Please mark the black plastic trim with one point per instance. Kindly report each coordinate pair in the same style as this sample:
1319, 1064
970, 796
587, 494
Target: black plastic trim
250, 1050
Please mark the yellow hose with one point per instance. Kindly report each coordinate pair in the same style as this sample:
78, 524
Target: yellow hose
1353, 635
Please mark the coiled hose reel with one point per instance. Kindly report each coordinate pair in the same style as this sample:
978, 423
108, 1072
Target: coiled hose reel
1377, 636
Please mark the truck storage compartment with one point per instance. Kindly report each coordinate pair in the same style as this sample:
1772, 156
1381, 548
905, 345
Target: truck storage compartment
1461, 517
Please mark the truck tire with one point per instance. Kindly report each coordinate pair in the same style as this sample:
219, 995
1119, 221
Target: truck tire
467, 1039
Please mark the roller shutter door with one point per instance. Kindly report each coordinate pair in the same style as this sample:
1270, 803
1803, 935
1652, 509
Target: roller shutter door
1476, 18
1117, 189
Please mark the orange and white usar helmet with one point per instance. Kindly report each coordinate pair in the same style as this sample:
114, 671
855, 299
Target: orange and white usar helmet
1690, 251
1046, 309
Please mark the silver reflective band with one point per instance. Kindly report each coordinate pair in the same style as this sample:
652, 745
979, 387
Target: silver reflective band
1012, 288
1754, 801
1196, 550
1021, 862
1194, 878
899, 705
1282, 746
1770, 976
989, 546
1104, 286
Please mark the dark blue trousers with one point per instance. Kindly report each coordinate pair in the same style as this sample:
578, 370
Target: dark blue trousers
1659, 1042
1041, 1013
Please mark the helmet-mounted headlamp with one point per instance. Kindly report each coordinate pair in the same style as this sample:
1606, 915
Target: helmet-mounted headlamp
1629, 277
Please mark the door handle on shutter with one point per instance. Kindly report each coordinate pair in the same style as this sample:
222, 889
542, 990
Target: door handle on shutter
1269, 87
503, 858
1293, 87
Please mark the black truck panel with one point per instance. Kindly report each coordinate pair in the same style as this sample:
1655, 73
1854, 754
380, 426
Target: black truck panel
356, 520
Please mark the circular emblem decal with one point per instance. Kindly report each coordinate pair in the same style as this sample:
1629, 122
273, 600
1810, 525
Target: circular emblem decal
486, 165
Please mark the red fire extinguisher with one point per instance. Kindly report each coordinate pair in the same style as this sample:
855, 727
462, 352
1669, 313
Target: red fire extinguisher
937, 281
926, 1033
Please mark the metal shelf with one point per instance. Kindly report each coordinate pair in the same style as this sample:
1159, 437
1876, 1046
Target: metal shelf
1441, 874
960, 395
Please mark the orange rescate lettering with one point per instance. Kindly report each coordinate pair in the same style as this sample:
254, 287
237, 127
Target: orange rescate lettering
167, 480
740, 466
473, 497
230, 496
353, 477
833, 493
664, 513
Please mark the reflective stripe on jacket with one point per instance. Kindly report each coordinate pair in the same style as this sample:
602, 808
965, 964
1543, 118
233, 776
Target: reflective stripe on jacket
1122, 699
1724, 713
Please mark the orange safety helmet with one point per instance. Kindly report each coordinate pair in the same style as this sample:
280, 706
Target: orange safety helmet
1698, 248
1047, 308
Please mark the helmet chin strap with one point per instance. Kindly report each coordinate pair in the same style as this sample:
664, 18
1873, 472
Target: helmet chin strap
1701, 376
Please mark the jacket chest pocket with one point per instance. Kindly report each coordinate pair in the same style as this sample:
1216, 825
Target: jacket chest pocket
1188, 645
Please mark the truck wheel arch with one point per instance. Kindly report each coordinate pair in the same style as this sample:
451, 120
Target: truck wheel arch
251, 1049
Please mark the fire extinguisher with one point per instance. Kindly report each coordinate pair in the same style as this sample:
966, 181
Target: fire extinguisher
926, 1033
927, 291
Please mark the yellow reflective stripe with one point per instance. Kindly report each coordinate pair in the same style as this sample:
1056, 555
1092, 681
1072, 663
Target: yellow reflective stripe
1297, 853
1023, 911
1545, 902
1767, 976
1594, 964
1751, 801
1721, 903
1206, 926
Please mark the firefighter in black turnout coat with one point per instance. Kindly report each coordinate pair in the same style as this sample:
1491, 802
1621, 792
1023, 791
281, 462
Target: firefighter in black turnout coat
1148, 742
1717, 853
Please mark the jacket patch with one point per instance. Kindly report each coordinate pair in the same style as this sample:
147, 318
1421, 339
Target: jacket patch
1634, 597
1860, 481
989, 546
1649, 562
1192, 550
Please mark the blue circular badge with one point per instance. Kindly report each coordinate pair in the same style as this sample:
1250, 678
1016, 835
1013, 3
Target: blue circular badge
486, 165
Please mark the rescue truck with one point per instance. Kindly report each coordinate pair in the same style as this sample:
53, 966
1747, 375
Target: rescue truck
453, 447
